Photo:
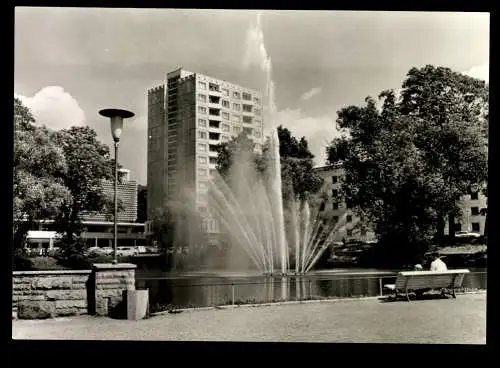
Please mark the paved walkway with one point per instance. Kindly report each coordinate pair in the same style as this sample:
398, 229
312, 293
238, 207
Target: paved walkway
455, 321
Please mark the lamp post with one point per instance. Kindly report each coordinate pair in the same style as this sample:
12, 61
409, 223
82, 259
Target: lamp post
116, 117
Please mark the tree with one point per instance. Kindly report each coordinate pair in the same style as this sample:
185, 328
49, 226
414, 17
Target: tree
39, 169
237, 146
88, 164
406, 161
298, 178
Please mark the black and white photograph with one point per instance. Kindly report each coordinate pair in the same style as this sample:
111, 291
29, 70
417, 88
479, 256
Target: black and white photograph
245, 175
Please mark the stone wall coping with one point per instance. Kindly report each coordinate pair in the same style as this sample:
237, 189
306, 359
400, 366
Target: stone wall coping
51, 272
111, 266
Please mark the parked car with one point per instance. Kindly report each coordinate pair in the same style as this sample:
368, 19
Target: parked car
126, 251
467, 234
95, 251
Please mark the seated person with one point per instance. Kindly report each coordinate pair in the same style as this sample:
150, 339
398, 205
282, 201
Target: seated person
437, 264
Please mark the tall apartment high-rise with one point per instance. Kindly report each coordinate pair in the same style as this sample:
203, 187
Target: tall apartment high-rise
188, 116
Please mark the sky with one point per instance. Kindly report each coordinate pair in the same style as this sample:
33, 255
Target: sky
72, 62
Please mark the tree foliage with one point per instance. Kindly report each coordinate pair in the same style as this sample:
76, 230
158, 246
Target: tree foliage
57, 175
298, 177
39, 170
407, 160
88, 163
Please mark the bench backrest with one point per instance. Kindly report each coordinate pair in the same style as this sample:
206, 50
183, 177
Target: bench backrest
430, 279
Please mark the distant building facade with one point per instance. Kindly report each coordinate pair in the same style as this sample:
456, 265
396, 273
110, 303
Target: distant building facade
188, 116
331, 209
98, 226
472, 217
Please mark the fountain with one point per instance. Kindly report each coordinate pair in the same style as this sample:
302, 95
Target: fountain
251, 210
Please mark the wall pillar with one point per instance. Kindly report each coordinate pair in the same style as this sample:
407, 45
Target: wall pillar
111, 281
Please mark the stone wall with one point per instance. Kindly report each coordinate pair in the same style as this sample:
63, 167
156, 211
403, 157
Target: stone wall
47, 294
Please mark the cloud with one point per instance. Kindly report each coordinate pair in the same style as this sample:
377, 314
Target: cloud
309, 94
318, 131
55, 108
480, 72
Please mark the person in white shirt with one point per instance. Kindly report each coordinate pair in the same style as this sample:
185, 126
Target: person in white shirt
437, 264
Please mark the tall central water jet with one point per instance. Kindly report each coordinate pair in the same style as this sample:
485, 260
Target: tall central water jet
277, 199
250, 208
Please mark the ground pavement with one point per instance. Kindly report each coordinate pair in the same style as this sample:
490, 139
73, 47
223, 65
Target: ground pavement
456, 321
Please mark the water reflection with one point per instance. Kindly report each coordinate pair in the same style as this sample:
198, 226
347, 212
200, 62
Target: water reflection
202, 291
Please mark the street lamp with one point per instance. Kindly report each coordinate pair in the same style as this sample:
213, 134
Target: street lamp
116, 118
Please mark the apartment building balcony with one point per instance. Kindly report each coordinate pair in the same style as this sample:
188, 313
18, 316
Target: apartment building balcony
214, 105
214, 124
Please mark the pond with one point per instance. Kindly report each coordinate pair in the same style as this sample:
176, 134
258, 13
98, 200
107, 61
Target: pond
210, 288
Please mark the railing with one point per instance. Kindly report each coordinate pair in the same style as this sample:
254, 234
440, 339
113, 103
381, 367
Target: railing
186, 293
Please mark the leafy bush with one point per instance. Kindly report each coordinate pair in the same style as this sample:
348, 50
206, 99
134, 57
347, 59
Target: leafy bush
46, 263
21, 261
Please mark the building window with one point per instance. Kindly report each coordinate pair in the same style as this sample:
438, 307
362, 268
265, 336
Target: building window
202, 160
214, 99
334, 179
247, 119
246, 96
214, 112
322, 206
256, 111
335, 193
236, 118
475, 227
247, 108
257, 134
202, 123
225, 92
214, 136
256, 100
248, 131
236, 95
213, 87
349, 232
474, 195
202, 147
202, 134
213, 160
225, 128
349, 218
335, 219
458, 227
202, 171
202, 85
202, 110
236, 129
225, 103
202, 98
214, 124
474, 211
224, 138
202, 209
236, 107
225, 115
213, 148
335, 205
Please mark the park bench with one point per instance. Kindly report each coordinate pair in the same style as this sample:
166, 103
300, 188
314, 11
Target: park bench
415, 281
